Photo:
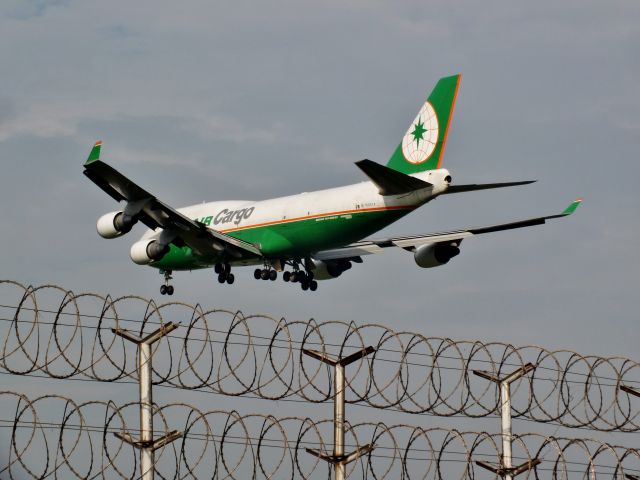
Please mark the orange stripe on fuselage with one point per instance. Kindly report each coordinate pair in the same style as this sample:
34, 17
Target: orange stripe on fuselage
329, 214
446, 132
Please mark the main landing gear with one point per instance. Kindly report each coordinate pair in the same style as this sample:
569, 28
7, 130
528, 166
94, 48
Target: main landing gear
166, 289
265, 274
305, 278
224, 273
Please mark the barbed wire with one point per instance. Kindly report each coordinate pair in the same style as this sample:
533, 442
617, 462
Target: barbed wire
52, 436
51, 331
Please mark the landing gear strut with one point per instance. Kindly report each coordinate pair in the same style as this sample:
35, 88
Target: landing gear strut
166, 289
300, 275
304, 277
266, 273
224, 273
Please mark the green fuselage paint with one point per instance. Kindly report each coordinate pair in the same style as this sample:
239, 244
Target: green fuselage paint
296, 226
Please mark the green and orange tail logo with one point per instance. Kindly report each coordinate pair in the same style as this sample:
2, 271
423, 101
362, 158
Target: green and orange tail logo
423, 145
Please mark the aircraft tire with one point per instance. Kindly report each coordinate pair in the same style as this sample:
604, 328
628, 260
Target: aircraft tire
264, 275
163, 289
286, 276
231, 278
218, 268
273, 275
304, 285
313, 285
294, 277
256, 273
169, 290
221, 278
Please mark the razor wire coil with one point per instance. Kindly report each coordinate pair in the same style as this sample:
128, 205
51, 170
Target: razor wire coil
53, 332
51, 436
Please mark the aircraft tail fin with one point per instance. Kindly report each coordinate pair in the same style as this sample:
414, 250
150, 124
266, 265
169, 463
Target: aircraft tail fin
422, 146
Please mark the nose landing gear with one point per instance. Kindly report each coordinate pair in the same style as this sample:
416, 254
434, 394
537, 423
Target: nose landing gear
166, 289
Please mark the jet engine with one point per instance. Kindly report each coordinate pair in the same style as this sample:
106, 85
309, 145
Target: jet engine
435, 254
325, 270
148, 250
115, 224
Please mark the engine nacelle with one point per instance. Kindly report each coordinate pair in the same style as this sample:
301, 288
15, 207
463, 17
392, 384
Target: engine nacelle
435, 254
330, 269
115, 224
148, 250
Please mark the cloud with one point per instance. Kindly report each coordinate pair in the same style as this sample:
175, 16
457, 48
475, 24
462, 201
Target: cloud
38, 123
28, 9
222, 101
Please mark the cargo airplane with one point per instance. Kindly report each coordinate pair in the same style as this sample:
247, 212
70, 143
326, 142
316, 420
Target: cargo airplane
310, 236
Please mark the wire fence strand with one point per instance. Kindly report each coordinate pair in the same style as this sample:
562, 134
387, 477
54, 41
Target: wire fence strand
53, 332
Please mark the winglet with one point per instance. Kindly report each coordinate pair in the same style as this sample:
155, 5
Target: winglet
572, 208
95, 153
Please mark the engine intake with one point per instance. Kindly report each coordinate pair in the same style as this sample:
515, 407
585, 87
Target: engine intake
115, 224
330, 269
148, 250
435, 254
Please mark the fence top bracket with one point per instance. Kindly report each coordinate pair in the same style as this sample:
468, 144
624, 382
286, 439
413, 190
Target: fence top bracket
342, 459
630, 391
510, 378
344, 361
149, 339
152, 444
502, 471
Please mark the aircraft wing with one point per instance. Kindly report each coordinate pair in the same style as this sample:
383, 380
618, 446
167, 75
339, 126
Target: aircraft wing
368, 247
157, 214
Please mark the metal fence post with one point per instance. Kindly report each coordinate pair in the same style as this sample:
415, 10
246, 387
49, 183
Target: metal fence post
506, 469
339, 459
635, 393
147, 445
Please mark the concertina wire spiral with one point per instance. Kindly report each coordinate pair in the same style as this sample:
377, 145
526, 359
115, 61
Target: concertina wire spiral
49, 331
54, 437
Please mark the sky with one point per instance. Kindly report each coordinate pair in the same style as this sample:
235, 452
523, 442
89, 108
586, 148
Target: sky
201, 101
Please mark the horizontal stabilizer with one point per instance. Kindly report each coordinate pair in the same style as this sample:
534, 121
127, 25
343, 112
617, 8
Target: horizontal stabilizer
483, 186
389, 181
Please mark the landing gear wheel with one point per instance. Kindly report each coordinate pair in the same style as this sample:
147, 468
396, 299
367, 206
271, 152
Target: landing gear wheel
218, 268
304, 285
294, 277
286, 276
257, 273
169, 290
264, 274
221, 278
164, 289
230, 278
273, 275
313, 285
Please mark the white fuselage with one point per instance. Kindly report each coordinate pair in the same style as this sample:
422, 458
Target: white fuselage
235, 215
